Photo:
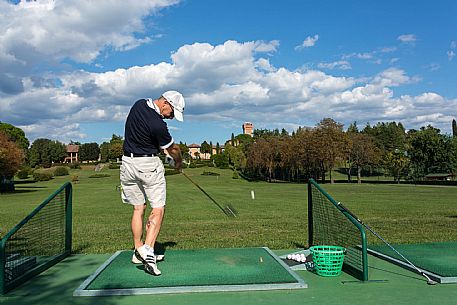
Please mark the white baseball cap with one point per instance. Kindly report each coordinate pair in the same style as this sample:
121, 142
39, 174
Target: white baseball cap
177, 101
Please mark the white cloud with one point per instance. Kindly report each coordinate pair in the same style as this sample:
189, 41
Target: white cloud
388, 49
264, 64
366, 55
433, 67
308, 42
45, 32
450, 55
233, 81
340, 65
407, 38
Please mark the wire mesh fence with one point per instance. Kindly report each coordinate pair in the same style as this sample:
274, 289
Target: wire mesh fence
329, 225
40, 240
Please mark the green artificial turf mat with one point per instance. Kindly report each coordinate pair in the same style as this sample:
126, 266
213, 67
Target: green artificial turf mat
197, 268
438, 258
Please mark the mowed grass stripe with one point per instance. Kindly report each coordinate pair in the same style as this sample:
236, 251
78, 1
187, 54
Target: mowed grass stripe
277, 218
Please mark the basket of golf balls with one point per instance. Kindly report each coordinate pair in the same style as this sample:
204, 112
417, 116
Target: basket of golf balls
328, 260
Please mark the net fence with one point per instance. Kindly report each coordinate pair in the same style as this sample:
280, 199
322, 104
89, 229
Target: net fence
40, 240
329, 225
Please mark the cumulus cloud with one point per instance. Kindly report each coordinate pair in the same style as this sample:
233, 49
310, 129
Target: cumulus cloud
407, 38
308, 42
339, 65
232, 81
37, 32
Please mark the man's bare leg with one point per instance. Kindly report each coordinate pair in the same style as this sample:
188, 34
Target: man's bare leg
137, 224
153, 225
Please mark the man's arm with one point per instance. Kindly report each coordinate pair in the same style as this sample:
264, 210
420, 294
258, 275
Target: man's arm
175, 152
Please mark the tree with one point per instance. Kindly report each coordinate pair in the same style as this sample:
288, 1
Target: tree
236, 156
353, 129
89, 152
430, 152
334, 143
44, 152
244, 140
264, 157
389, 136
218, 148
205, 148
220, 160
104, 151
396, 162
363, 152
116, 148
11, 159
265, 133
15, 134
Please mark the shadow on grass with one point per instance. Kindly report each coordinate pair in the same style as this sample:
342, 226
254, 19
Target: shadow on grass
32, 187
21, 192
396, 273
16, 182
299, 245
160, 247
80, 249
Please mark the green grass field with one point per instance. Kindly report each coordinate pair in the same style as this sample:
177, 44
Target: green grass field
277, 218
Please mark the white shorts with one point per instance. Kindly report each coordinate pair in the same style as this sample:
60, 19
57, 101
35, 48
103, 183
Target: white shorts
143, 179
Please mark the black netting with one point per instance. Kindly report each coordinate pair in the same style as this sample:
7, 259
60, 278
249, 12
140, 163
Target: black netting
38, 241
331, 227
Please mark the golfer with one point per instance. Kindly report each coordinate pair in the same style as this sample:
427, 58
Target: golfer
142, 172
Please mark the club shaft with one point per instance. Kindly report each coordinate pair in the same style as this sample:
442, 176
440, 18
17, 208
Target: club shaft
382, 239
203, 191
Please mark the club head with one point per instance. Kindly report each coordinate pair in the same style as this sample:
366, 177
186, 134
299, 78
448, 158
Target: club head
230, 211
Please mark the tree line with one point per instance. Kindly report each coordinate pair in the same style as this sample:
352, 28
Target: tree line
384, 149
17, 153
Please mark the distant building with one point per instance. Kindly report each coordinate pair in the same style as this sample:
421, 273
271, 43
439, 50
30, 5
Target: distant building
72, 153
440, 177
195, 151
248, 128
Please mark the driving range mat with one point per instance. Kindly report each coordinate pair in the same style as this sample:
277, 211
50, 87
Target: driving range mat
198, 270
437, 260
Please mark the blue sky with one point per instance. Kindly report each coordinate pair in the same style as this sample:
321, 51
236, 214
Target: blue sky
70, 70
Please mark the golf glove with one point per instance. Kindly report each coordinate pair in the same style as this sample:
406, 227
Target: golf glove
170, 161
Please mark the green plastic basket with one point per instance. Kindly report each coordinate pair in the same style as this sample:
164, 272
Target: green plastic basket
328, 260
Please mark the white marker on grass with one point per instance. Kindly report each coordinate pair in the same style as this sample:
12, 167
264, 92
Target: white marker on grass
252, 195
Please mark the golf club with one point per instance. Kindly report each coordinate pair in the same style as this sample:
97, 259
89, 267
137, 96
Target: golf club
228, 210
429, 280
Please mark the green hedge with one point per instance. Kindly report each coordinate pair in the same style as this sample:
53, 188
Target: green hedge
205, 173
23, 174
75, 165
42, 175
114, 166
99, 176
61, 171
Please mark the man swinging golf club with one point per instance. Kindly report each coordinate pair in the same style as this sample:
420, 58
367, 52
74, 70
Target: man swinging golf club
142, 172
